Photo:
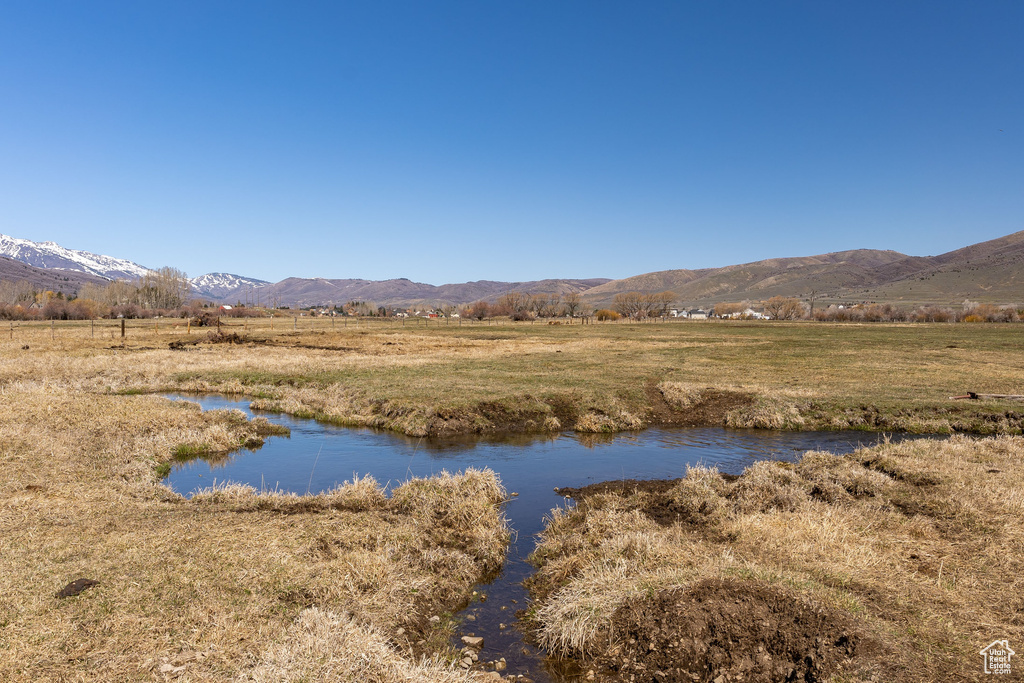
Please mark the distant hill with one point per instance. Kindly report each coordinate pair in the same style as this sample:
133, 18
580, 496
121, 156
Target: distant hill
66, 281
991, 271
402, 292
987, 272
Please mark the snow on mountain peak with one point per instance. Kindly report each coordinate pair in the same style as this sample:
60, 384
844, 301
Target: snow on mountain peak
52, 255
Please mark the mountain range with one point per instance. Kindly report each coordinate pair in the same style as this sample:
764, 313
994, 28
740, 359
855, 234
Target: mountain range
991, 271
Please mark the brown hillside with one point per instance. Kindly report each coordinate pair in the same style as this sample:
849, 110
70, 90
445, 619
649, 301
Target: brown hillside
53, 279
827, 275
991, 272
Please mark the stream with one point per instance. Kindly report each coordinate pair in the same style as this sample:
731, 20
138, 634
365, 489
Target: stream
317, 457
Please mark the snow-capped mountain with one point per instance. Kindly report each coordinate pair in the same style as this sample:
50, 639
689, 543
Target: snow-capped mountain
219, 285
52, 255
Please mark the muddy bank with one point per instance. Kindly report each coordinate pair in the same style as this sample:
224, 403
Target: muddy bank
650, 405
729, 630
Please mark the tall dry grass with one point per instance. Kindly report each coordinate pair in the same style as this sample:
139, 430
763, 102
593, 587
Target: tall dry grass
922, 542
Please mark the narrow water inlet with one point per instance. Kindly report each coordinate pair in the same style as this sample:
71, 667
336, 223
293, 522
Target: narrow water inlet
317, 457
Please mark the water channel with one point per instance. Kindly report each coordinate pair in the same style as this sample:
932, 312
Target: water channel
317, 457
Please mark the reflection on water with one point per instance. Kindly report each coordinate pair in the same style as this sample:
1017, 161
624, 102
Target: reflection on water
317, 457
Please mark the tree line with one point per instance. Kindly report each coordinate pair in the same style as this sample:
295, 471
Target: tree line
166, 291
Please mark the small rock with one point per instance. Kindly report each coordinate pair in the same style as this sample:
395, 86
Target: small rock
470, 617
502, 627
590, 675
434, 619
475, 642
500, 665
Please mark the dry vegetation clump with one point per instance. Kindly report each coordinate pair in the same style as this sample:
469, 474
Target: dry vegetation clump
768, 411
682, 396
232, 583
700, 495
326, 646
596, 422
907, 558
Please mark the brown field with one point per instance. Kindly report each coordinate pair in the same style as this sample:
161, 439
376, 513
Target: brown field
434, 378
253, 585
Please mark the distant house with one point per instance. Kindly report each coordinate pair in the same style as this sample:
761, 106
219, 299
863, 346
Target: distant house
748, 314
226, 308
697, 314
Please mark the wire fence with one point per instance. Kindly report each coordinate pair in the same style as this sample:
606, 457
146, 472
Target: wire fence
118, 329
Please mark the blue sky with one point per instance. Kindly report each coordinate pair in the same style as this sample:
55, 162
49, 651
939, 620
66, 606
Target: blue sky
455, 141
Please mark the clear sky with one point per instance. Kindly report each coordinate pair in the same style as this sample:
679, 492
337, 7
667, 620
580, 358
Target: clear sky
516, 140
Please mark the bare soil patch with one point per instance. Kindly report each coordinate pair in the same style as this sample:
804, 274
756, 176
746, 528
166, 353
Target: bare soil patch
708, 410
730, 630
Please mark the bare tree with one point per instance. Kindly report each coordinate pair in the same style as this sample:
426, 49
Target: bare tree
572, 302
661, 302
627, 304
545, 305
784, 308
515, 302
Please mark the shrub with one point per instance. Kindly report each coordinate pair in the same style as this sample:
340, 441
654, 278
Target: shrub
607, 314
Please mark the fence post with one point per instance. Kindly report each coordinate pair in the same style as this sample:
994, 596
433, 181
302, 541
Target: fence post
122, 328
51, 329
93, 327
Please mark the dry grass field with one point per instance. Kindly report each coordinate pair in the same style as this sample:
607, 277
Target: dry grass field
233, 584
432, 378
254, 585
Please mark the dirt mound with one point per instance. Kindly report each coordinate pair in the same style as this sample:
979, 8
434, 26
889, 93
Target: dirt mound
709, 410
729, 630
206, 319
